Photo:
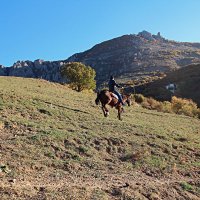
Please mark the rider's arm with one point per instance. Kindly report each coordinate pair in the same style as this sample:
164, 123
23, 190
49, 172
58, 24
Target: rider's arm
116, 84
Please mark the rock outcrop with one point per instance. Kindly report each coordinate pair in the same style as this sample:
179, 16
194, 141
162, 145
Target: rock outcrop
38, 69
146, 35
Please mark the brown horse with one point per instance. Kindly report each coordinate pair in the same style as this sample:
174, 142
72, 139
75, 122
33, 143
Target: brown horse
108, 98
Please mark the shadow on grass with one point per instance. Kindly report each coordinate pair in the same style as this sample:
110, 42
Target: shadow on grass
75, 110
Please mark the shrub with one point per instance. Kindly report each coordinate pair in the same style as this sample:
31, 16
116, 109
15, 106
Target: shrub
166, 106
197, 113
184, 106
186, 186
177, 105
139, 98
155, 105
152, 104
145, 104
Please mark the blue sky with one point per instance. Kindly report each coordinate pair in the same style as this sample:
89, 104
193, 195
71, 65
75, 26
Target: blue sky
56, 29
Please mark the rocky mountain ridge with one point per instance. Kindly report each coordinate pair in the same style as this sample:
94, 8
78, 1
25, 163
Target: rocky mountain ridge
37, 69
127, 57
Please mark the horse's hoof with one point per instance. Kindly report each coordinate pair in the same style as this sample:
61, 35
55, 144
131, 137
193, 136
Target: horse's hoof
106, 114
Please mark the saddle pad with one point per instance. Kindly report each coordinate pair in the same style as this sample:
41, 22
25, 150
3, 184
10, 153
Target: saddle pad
114, 95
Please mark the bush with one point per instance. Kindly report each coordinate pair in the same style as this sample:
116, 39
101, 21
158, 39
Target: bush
184, 106
145, 104
196, 113
186, 186
154, 105
80, 76
139, 98
177, 105
151, 104
166, 106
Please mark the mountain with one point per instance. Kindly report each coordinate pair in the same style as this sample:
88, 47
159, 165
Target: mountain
127, 57
136, 56
56, 144
187, 81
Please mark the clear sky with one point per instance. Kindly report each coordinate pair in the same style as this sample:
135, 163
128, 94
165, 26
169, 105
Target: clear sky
56, 29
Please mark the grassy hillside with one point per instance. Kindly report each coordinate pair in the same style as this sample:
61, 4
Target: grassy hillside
187, 80
56, 144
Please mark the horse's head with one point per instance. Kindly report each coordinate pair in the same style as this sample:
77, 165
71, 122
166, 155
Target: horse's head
127, 99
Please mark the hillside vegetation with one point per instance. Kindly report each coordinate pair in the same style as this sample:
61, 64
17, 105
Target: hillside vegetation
187, 80
56, 144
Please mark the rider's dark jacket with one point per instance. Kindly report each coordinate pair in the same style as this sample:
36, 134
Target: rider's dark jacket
112, 85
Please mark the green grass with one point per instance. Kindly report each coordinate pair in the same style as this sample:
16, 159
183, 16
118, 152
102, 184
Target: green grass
186, 186
49, 127
54, 111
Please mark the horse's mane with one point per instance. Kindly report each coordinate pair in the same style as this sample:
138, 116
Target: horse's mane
99, 94
104, 91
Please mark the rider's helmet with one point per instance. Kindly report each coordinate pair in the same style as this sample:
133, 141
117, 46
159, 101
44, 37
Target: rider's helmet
111, 77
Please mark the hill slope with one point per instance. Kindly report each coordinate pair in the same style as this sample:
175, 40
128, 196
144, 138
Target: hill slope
56, 144
187, 81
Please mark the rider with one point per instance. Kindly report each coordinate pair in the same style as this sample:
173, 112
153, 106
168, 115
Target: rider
112, 88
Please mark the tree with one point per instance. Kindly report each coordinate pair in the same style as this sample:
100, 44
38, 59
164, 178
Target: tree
80, 76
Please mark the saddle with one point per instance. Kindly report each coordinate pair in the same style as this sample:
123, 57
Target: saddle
114, 95
115, 100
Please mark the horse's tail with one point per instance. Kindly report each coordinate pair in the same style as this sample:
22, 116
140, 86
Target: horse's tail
97, 100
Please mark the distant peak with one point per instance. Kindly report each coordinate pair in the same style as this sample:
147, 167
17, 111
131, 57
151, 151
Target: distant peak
148, 36
144, 32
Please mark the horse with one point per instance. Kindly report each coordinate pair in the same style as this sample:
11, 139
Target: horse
111, 99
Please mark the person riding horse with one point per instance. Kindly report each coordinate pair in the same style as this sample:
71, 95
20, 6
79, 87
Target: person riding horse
112, 88
112, 98
105, 97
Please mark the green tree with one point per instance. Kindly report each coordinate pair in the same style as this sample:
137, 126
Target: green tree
80, 77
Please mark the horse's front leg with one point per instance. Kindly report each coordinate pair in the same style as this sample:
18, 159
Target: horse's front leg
119, 112
105, 110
